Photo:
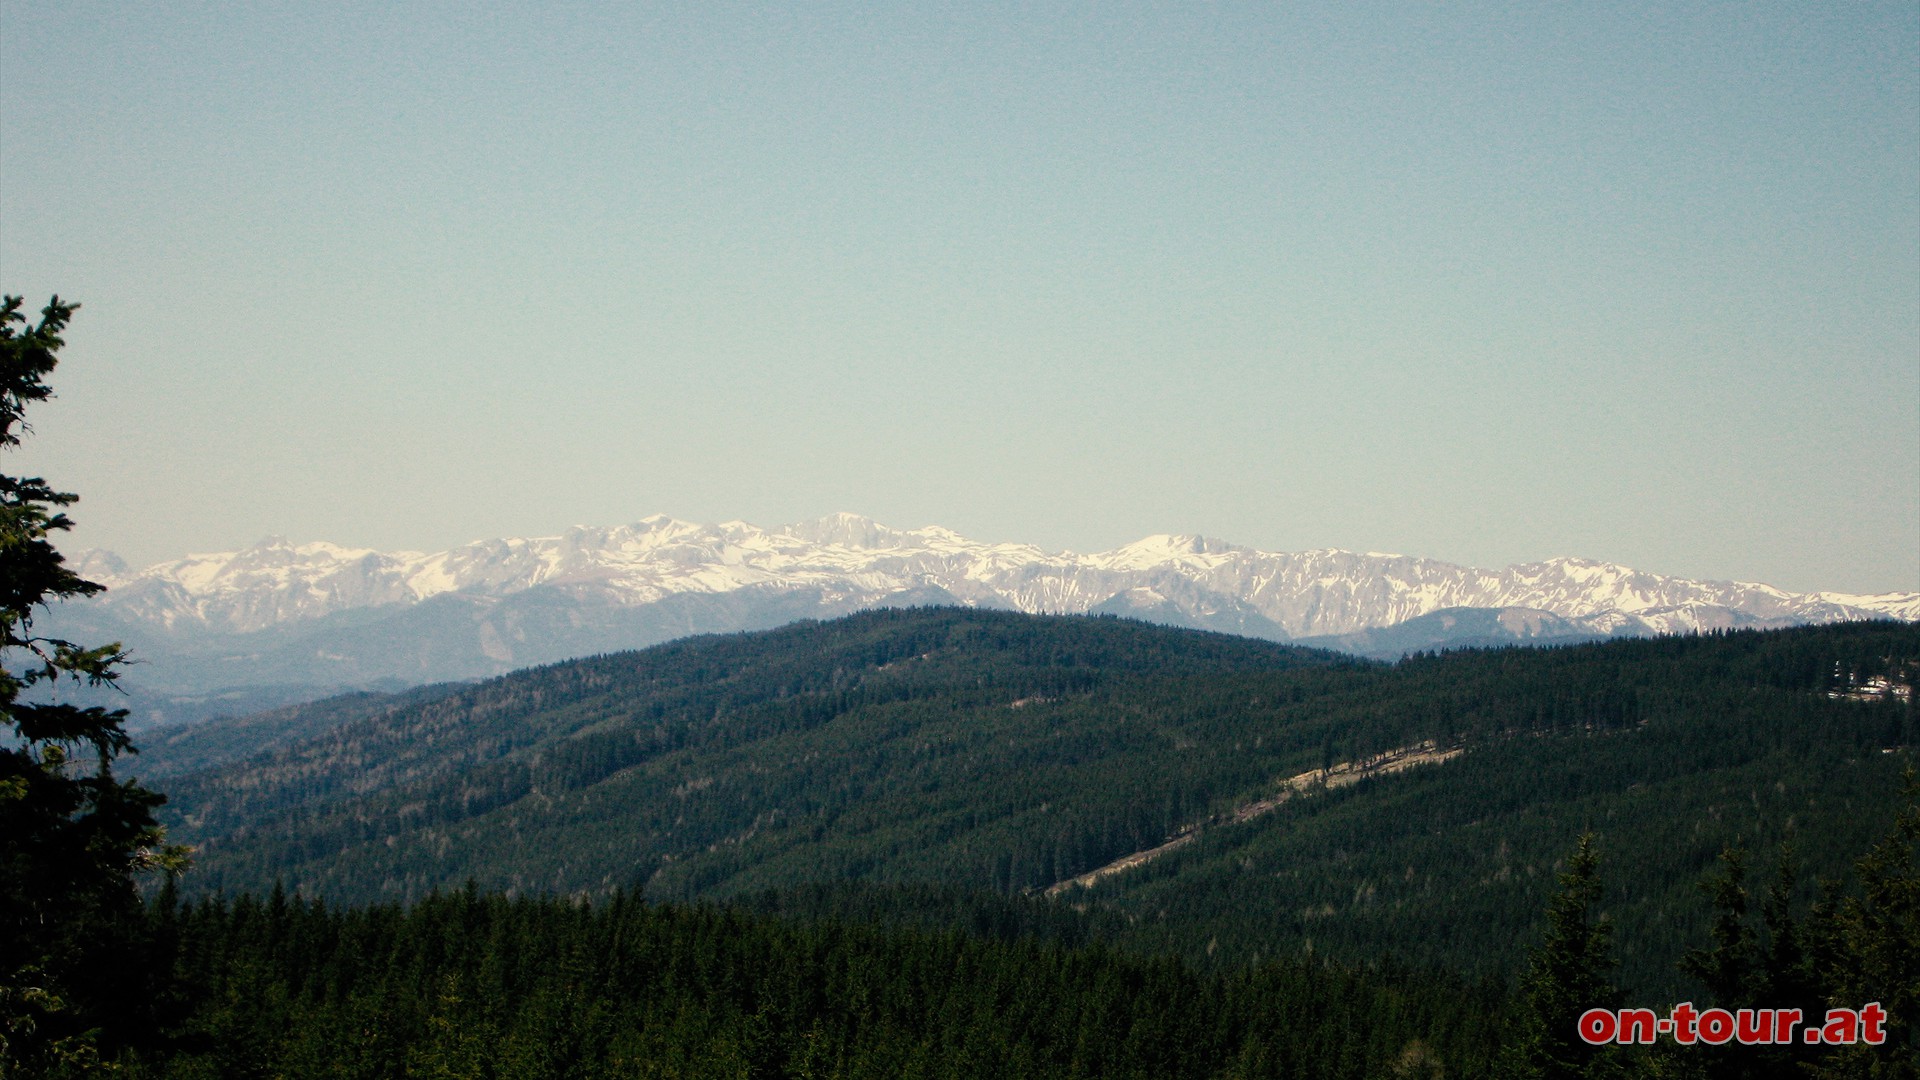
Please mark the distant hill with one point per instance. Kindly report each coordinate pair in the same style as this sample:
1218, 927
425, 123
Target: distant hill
280, 622
993, 750
1470, 628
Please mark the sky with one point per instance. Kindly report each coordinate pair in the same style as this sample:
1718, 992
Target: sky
1483, 282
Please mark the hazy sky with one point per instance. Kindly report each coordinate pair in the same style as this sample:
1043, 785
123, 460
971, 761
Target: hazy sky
1486, 283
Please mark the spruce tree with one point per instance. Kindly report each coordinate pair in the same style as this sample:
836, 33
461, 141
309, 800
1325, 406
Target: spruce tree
1567, 975
1873, 950
72, 836
1727, 969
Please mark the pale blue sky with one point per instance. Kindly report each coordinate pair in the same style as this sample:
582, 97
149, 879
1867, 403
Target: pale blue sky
1484, 282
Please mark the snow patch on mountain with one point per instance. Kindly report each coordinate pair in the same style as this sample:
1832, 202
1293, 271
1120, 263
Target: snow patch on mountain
850, 559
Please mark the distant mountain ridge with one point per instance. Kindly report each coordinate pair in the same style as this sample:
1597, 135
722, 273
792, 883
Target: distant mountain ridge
848, 558
278, 622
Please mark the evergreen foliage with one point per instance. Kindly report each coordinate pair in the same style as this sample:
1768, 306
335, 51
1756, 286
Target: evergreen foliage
1001, 752
1567, 974
826, 851
471, 985
1870, 949
929, 982
72, 836
1859, 944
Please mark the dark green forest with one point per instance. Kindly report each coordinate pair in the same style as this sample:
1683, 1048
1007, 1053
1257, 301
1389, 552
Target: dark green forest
953, 843
935, 771
466, 984
1007, 753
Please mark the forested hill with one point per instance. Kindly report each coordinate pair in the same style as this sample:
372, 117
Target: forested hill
964, 749
671, 692
550, 737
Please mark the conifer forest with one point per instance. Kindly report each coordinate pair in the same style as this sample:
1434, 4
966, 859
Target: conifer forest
948, 842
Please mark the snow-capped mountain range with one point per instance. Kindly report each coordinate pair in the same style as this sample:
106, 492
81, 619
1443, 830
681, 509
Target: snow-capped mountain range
849, 561
279, 622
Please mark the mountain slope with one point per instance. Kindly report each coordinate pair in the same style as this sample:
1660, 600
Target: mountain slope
849, 558
1469, 628
1007, 752
280, 622
570, 726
